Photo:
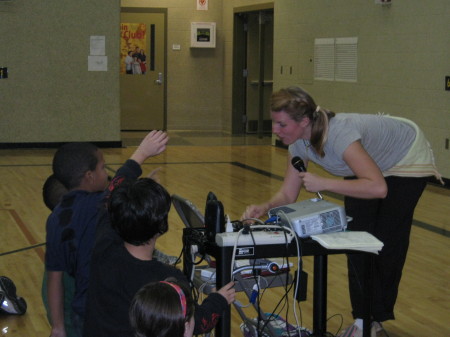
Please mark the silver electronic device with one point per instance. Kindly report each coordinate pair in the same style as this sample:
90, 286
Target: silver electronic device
313, 216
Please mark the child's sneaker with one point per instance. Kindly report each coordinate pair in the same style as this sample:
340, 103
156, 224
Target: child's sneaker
377, 330
11, 304
351, 331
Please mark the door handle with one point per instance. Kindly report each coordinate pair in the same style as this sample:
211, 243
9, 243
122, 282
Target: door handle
159, 81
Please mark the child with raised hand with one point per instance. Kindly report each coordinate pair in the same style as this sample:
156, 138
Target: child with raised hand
80, 167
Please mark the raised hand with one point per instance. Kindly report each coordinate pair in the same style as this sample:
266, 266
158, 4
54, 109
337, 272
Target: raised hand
153, 144
154, 174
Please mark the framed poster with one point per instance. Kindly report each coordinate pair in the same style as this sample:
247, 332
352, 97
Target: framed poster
133, 48
203, 35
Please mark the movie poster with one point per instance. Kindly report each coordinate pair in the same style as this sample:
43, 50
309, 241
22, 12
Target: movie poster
133, 48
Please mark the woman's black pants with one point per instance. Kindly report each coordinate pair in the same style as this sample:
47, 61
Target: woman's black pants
389, 220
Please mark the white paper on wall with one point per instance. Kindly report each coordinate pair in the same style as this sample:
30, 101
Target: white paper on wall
97, 63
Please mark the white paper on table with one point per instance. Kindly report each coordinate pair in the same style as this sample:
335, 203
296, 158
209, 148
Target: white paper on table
362, 241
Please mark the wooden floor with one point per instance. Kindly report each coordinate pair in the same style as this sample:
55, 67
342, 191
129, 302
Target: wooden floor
240, 171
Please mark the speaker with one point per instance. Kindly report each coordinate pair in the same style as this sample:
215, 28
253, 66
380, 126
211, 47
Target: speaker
214, 217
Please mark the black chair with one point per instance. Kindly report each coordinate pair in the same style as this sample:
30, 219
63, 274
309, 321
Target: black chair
188, 212
190, 215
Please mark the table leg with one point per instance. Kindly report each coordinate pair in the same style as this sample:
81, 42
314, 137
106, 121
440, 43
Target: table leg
367, 293
223, 276
320, 295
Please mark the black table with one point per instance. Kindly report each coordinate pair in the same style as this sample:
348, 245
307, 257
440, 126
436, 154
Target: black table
309, 247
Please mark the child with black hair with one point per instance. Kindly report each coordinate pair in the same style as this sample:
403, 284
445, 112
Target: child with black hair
122, 261
164, 309
80, 167
52, 193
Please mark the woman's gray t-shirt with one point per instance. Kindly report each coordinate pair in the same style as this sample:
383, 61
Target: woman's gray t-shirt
385, 139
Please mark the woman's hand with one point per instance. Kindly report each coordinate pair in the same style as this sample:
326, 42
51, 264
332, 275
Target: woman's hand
312, 183
254, 211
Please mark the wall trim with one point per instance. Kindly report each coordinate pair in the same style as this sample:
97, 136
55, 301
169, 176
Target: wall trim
254, 8
54, 145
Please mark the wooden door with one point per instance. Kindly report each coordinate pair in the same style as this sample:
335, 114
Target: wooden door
143, 89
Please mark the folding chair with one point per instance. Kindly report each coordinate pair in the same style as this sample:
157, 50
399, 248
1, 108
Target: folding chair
188, 212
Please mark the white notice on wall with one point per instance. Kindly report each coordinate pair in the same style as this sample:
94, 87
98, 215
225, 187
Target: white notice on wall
97, 63
97, 45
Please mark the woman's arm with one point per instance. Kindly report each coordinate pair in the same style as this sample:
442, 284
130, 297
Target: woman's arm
287, 194
369, 184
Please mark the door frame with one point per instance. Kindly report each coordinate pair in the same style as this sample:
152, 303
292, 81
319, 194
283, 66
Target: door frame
164, 12
239, 80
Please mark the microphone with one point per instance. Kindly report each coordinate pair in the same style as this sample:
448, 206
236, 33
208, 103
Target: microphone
299, 165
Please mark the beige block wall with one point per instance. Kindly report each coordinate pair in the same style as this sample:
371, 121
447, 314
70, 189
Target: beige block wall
403, 58
50, 96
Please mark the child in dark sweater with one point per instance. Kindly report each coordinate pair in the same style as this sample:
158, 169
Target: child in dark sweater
122, 261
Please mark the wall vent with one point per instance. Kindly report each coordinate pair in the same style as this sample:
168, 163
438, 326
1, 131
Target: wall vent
335, 59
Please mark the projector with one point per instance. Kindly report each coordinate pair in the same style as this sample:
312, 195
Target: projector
313, 216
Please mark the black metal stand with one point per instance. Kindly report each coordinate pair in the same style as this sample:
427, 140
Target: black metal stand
309, 247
